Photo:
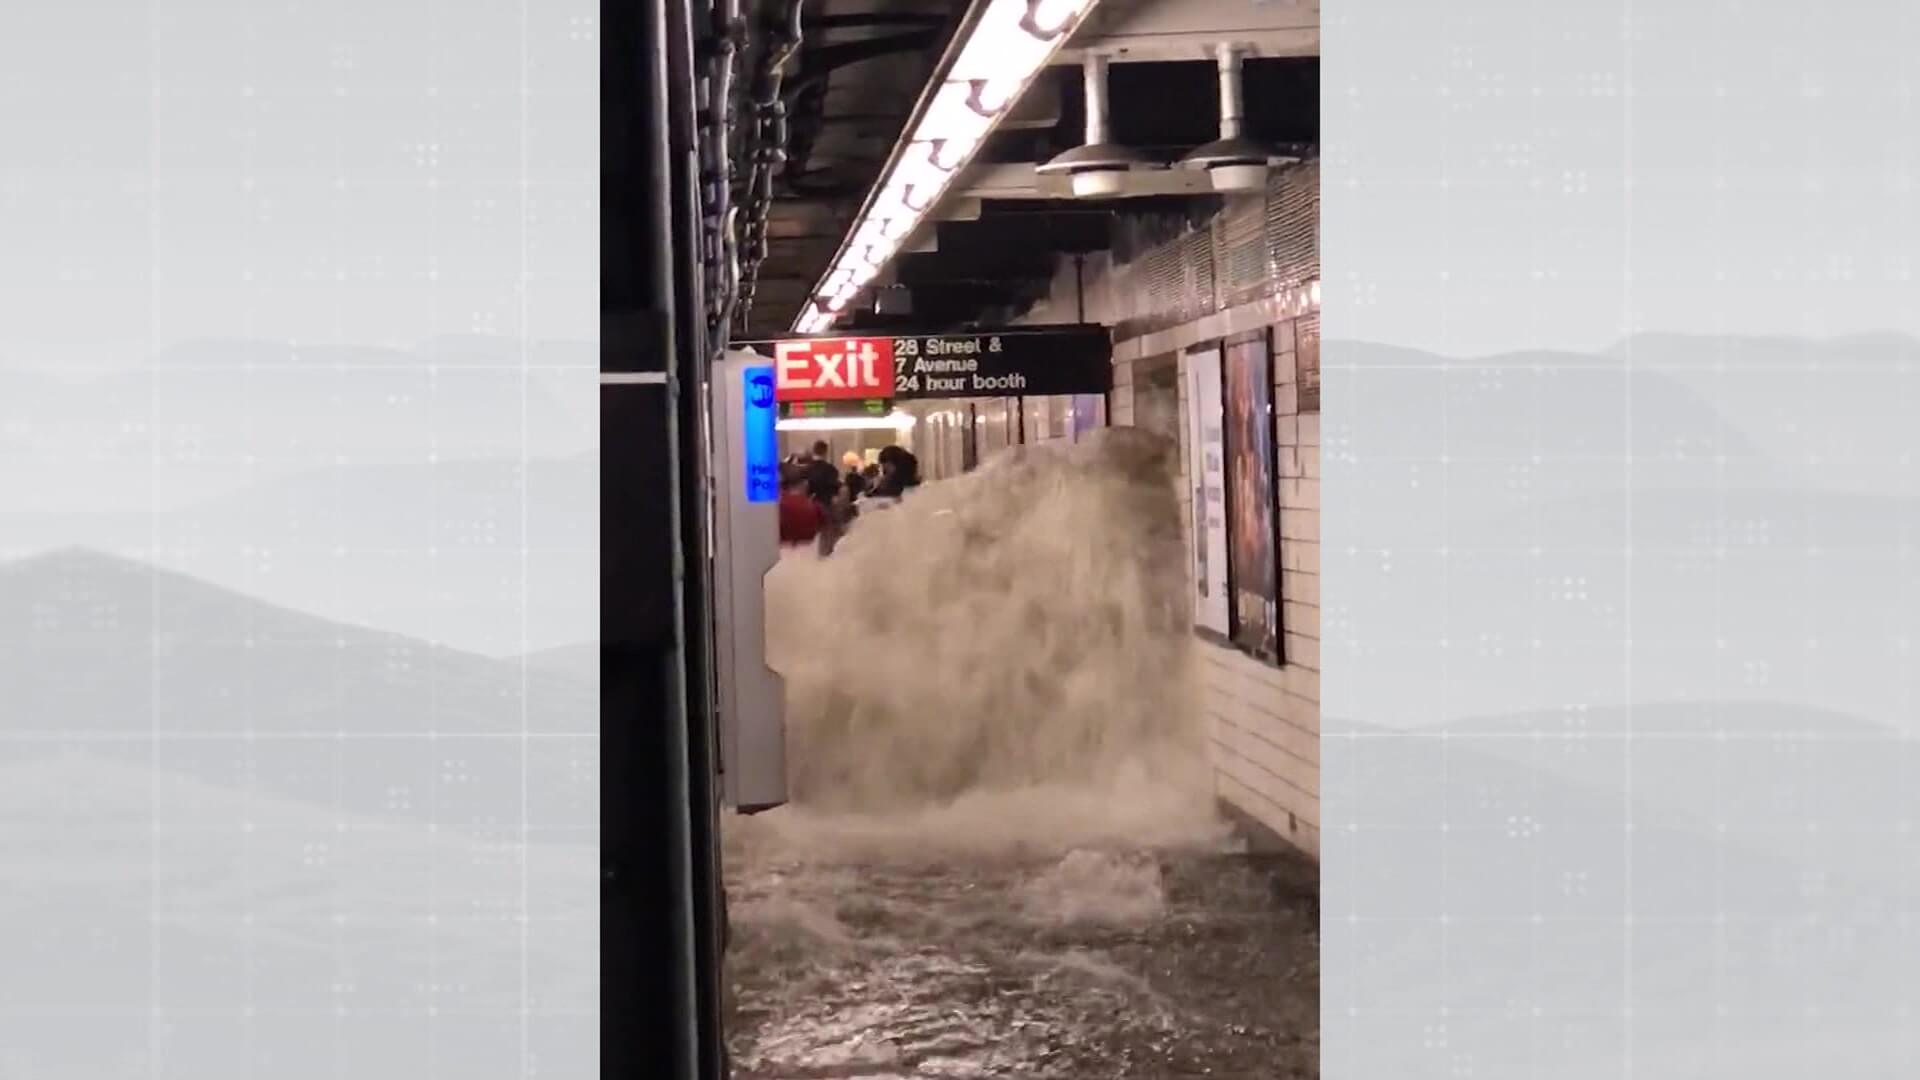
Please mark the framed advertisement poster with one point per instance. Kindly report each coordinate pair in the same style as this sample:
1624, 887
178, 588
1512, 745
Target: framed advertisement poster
1252, 494
1207, 488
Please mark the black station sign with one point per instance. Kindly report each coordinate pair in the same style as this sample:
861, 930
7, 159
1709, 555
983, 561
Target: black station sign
1005, 363
1024, 362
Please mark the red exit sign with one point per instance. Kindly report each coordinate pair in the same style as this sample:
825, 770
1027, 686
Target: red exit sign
833, 369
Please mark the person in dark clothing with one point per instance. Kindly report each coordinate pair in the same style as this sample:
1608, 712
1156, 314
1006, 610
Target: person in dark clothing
840, 515
823, 479
801, 517
852, 484
823, 485
899, 472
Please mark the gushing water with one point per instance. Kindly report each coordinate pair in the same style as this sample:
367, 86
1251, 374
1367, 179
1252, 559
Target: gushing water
1001, 661
1002, 838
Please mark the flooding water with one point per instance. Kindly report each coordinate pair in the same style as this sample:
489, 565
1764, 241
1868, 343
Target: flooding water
1002, 858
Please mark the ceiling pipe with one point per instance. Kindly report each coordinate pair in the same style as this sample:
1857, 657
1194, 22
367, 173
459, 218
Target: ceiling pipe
1233, 162
720, 238
765, 129
1233, 107
1096, 168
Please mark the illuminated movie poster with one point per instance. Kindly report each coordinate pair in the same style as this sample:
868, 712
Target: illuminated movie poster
1207, 475
1250, 496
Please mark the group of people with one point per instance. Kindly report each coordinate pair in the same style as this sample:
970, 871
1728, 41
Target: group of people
819, 500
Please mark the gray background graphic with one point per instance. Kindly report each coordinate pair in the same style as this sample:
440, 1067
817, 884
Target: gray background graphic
1619, 508
296, 459
298, 539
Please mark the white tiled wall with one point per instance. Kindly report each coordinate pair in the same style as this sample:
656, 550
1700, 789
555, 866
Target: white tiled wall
1264, 720
1120, 402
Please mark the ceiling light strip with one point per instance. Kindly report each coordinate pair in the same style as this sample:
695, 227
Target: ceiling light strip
894, 421
997, 53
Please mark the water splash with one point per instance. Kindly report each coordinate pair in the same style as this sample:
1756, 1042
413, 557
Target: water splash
1110, 888
999, 664
994, 761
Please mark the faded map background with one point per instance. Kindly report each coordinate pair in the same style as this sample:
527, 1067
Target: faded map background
1620, 503
297, 318
298, 540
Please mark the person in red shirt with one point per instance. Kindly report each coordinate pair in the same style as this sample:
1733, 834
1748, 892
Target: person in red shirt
800, 516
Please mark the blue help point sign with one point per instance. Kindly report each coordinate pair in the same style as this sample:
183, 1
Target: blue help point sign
762, 443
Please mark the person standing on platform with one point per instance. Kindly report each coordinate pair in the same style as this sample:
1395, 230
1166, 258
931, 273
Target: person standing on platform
822, 478
899, 473
823, 483
801, 517
840, 515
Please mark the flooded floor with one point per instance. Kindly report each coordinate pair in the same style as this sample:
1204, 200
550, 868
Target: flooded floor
1098, 964
1001, 856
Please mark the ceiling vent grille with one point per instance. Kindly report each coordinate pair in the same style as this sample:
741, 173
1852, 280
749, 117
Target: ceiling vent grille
1258, 246
1293, 226
1241, 250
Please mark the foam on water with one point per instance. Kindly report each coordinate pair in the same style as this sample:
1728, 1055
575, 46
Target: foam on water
999, 664
1097, 887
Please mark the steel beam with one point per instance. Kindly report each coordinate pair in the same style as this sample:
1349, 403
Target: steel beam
1145, 30
1021, 181
660, 914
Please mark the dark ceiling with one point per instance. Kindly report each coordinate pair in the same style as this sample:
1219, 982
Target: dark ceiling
861, 68
858, 82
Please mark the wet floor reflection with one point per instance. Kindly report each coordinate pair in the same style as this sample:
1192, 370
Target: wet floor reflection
1099, 964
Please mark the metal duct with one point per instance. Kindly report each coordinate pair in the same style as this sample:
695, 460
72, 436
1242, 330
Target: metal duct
1234, 162
1096, 167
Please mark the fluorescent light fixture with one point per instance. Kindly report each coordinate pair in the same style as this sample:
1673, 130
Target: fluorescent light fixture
1052, 16
953, 118
992, 94
870, 232
893, 421
995, 59
1097, 184
1239, 178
